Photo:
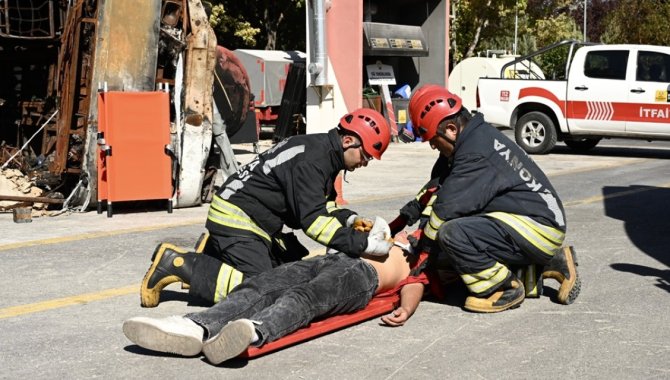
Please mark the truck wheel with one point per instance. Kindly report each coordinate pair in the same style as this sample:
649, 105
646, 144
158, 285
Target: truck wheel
582, 145
535, 133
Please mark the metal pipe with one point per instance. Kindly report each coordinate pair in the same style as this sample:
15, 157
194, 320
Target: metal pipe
318, 67
585, 5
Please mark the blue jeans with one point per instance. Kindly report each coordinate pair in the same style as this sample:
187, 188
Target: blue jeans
290, 296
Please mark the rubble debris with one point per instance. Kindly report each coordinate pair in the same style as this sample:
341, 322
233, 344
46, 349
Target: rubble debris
15, 183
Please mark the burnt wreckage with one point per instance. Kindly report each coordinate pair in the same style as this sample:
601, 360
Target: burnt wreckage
54, 57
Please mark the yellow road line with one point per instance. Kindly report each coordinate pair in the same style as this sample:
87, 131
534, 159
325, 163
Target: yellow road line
80, 299
92, 235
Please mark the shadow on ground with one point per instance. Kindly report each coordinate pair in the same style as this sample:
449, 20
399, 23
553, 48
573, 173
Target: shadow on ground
645, 211
610, 151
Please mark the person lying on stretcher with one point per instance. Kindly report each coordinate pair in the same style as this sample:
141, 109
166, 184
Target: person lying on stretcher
284, 299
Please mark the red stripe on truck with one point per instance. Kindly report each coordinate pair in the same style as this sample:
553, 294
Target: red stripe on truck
597, 110
542, 93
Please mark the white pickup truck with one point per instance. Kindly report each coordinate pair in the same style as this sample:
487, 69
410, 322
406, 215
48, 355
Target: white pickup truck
602, 91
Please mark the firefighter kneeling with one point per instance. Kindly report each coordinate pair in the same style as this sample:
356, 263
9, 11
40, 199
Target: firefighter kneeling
495, 210
291, 185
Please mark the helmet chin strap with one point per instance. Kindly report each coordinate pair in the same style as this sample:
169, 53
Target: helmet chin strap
355, 146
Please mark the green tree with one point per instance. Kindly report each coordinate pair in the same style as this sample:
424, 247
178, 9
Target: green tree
638, 22
233, 30
262, 24
483, 24
596, 15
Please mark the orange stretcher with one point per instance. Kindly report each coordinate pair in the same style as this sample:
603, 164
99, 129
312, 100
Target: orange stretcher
379, 305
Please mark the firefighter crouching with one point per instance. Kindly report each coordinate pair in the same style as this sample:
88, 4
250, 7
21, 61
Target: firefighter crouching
494, 211
291, 184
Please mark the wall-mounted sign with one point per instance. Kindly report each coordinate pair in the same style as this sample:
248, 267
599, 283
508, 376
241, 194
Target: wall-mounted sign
379, 74
379, 43
399, 43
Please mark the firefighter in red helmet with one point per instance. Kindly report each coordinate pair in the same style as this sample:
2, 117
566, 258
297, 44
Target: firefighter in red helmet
493, 210
290, 185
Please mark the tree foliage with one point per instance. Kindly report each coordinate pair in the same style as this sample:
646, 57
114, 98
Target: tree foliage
231, 29
638, 22
597, 12
476, 26
477, 23
262, 24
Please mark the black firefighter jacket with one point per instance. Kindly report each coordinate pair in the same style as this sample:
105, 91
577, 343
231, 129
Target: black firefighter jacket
491, 175
290, 184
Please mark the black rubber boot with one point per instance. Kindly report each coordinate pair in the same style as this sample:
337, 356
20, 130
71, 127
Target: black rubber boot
199, 248
202, 241
169, 264
563, 268
508, 296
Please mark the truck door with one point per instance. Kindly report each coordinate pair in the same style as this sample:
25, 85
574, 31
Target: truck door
596, 91
648, 94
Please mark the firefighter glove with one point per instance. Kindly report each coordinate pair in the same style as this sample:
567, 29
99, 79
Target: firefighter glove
359, 223
379, 239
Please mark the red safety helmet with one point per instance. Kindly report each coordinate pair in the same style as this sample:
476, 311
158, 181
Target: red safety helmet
429, 107
371, 127
420, 91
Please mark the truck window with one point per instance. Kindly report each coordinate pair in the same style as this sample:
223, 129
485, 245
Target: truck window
606, 64
653, 67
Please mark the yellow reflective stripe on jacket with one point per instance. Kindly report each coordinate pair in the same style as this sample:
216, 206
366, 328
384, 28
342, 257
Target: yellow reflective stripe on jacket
546, 239
433, 225
429, 206
420, 194
427, 211
323, 229
480, 282
331, 206
226, 281
227, 214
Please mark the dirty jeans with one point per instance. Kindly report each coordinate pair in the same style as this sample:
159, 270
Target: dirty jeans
290, 296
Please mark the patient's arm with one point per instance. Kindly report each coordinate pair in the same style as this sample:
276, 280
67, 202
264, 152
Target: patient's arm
410, 296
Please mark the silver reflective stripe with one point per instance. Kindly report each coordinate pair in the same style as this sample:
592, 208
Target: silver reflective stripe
232, 188
227, 214
546, 239
323, 229
226, 281
282, 157
482, 281
552, 204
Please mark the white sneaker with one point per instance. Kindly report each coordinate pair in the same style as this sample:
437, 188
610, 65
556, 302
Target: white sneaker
175, 334
232, 340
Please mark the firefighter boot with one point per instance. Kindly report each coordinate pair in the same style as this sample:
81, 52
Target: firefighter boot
169, 265
202, 241
531, 275
199, 248
508, 296
563, 268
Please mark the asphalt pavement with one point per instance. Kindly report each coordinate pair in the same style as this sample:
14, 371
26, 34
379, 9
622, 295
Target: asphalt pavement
71, 280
